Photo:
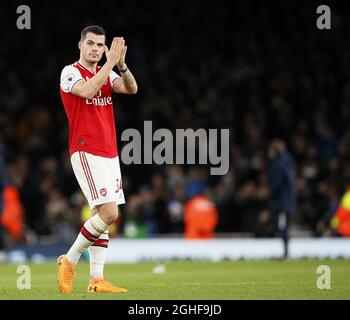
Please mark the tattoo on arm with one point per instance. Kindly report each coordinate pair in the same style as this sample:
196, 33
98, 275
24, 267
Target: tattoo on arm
129, 81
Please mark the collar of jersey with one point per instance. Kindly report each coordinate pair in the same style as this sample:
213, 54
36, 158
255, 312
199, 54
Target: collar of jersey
94, 72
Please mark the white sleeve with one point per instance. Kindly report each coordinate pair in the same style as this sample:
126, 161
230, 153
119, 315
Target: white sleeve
112, 76
69, 76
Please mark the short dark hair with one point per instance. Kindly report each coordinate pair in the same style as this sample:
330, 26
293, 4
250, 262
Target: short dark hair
93, 29
277, 145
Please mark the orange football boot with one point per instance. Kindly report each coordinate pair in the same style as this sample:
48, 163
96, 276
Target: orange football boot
66, 273
101, 285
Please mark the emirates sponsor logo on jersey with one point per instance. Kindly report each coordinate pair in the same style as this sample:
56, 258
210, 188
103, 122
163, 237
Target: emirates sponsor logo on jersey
100, 101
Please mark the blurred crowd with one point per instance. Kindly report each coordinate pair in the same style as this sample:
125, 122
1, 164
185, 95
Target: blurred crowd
263, 70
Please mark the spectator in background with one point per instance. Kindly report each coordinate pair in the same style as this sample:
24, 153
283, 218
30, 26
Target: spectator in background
2, 186
175, 208
13, 213
282, 189
200, 217
341, 219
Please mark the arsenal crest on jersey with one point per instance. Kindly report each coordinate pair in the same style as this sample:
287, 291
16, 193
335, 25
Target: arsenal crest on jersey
103, 192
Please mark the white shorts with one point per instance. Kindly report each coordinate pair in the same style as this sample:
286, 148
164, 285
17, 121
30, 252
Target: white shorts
99, 178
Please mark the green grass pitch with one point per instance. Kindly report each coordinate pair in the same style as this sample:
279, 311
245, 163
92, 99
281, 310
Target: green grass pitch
293, 279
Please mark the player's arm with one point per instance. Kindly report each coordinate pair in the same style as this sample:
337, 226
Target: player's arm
126, 83
88, 88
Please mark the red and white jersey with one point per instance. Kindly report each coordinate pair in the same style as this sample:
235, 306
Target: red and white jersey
91, 121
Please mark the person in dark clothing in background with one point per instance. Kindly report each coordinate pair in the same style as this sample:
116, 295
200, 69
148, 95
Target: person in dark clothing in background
2, 186
282, 189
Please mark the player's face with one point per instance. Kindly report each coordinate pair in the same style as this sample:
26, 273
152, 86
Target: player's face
92, 47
